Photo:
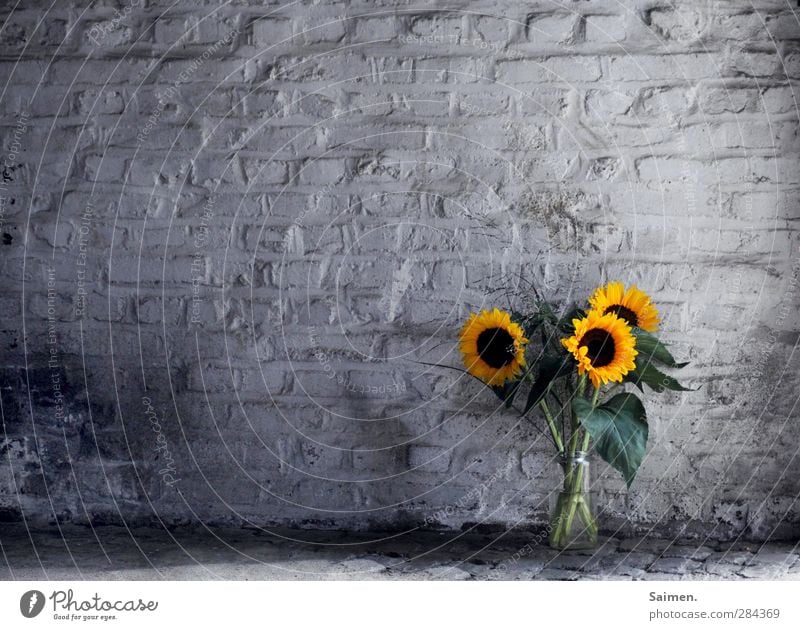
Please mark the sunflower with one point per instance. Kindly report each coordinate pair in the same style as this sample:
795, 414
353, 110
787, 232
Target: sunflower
493, 346
603, 346
633, 305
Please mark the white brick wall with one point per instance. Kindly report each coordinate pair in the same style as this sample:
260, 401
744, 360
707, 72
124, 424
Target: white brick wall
322, 194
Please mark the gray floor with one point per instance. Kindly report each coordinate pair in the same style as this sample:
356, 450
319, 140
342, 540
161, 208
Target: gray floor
111, 553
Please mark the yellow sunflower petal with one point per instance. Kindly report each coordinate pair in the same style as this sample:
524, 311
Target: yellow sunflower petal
493, 347
631, 304
604, 346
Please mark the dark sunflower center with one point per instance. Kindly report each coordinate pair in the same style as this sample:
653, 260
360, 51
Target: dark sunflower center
599, 345
496, 347
624, 313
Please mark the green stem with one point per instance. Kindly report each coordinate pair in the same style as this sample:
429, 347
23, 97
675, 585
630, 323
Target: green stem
586, 436
574, 494
588, 520
572, 502
595, 396
577, 502
581, 384
556, 526
552, 426
557, 439
573, 439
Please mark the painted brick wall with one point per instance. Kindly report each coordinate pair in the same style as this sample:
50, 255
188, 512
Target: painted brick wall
231, 230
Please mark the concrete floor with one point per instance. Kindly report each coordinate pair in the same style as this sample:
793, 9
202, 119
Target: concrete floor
113, 553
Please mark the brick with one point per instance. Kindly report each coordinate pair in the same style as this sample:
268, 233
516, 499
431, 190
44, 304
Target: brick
174, 30
605, 29
554, 69
371, 29
100, 101
493, 30
327, 29
553, 28
752, 64
428, 458
603, 103
680, 67
713, 99
664, 102
272, 32
738, 26
437, 29
791, 65
729, 170
681, 24
32, 32
782, 26
777, 100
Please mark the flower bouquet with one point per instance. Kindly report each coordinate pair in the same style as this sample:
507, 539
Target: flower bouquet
576, 375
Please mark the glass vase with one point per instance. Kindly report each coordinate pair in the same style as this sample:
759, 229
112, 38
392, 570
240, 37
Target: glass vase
572, 519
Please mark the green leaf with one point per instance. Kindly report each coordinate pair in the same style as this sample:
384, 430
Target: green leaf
529, 323
546, 311
619, 429
507, 391
550, 368
655, 379
565, 323
650, 347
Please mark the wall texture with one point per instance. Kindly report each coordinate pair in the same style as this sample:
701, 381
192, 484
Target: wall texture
230, 231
